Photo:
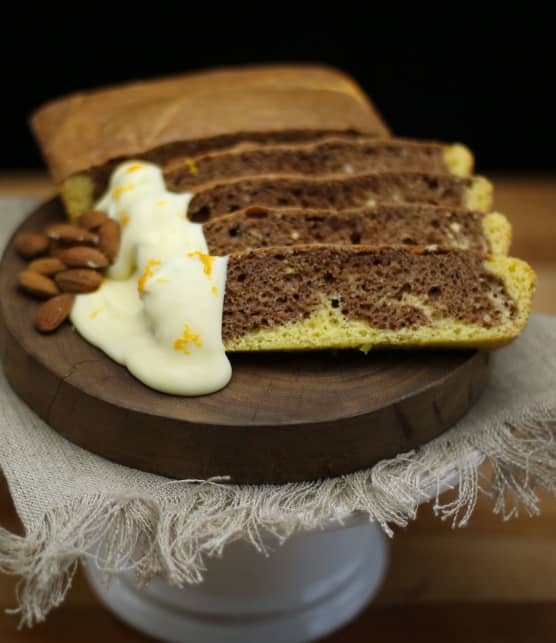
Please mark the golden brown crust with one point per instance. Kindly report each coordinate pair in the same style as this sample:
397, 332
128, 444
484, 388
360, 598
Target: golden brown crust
88, 129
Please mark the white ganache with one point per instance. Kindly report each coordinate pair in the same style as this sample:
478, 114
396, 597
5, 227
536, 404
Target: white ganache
159, 310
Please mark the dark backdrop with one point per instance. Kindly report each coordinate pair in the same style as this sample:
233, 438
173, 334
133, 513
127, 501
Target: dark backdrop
481, 75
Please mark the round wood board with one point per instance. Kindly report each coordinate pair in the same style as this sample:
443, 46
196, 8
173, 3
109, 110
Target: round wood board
283, 417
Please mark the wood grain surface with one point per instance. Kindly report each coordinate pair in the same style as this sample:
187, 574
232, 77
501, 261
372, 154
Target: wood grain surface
491, 582
282, 418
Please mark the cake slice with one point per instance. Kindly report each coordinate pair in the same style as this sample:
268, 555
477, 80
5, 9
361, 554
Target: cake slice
84, 135
324, 157
417, 225
221, 198
330, 296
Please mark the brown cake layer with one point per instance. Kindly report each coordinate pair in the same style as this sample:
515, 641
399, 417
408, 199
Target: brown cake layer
373, 284
330, 156
335, 193
167, 155
89, 129
417, 225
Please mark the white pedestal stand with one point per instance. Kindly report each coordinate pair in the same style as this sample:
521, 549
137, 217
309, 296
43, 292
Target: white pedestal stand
313, 584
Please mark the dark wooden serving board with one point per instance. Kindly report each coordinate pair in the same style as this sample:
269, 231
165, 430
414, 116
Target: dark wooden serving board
283, 417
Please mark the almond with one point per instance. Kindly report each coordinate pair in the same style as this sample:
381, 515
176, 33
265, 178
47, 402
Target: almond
69, 233
53, 313
109, 239
55, 247
83, 257
31, 244
78, 280
92, 219
37, 284
46, 266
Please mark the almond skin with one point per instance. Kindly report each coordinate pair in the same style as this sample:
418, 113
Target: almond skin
78, 280
83, 257
37, 285
31, 244
109, 239
53, 313
69, 233
55, 247
47, 266
92, 219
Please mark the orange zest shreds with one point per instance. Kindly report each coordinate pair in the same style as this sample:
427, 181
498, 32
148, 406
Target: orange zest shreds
116, 192
147, 274
187, 338
161, 202
125, 219
134, 168
206, 260
97, 312
191, 167
214, 290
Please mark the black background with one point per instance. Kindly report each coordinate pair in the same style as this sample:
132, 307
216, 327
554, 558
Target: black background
483, 75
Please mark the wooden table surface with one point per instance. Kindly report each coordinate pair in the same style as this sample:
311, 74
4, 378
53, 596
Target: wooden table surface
490, 582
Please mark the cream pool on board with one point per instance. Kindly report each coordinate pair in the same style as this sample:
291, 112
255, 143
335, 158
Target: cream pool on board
159, 310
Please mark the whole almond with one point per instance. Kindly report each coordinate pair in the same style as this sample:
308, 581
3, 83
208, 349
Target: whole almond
37, 285
83, 257
47, 266
69, 233
53, 312
79, 280
31, 244
92, 219
109, 239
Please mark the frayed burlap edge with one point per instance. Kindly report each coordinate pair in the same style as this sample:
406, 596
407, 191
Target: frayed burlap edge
173, 538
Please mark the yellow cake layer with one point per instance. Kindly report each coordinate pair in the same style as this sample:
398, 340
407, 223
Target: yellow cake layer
498, 232
478, 195
458, 159
77, 195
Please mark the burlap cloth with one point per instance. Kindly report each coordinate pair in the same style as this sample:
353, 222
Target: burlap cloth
69, 500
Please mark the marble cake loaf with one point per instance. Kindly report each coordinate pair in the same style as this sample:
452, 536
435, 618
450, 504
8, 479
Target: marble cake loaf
338, 234
330, 296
